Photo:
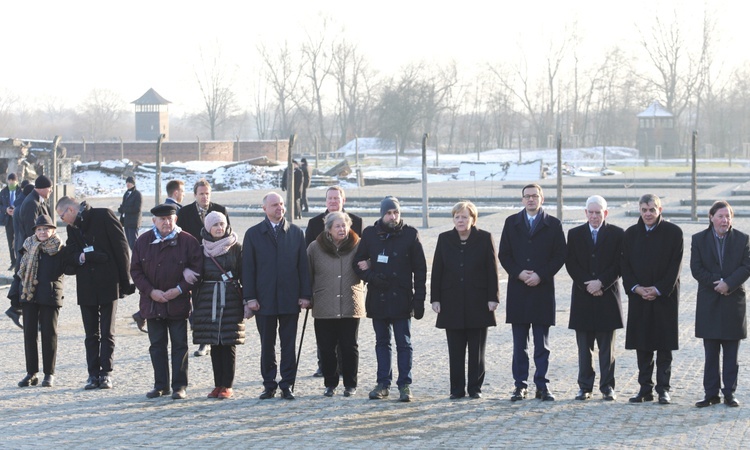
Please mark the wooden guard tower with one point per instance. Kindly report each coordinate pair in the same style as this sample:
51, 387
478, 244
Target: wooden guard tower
151, 116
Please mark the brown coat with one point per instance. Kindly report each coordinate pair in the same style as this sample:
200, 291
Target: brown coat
337, 290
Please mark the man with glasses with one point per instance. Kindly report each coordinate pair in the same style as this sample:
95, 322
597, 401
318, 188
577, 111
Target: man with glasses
98, 250
532, 251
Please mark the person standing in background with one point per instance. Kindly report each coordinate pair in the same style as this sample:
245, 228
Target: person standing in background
130, 211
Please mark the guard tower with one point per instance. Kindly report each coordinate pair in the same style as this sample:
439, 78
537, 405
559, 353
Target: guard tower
657, 133
151, 116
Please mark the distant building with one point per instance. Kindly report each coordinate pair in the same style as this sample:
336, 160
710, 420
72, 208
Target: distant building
151, 116
657, 133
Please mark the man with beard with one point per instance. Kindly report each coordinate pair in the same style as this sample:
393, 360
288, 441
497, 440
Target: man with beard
390, 258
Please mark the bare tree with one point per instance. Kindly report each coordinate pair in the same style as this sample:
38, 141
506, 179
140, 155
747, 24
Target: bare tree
317, 54
102, 111
354, 88
215, 83
282, 74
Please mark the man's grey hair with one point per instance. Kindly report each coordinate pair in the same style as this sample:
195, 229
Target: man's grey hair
596, 200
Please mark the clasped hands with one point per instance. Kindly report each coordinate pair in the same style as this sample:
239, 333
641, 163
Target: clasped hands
529, 277
647, 293
160, 296
721, 287
594, 287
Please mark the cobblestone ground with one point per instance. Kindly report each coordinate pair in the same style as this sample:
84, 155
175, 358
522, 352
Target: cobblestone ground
66, 416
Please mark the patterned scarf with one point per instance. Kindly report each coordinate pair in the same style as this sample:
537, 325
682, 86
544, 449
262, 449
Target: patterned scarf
30, 262
220, 246
171, 235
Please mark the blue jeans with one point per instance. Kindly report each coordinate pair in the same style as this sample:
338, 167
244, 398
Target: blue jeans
402, 332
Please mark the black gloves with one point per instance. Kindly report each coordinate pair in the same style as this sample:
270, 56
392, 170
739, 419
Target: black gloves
378, 281
126, 288
418, 310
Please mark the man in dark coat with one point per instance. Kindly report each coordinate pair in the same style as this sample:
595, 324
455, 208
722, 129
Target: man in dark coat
98, 250
532, 251
26, 189
190, 219
130, 211
160, 257
298, 180
275, 284
7, 197
594, 254
305, 184
651, 261
720, 261
390, 258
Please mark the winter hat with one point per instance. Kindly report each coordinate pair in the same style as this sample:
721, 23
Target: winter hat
42, 182
212, 219
44, 221
130, 180
388, 204
163, 210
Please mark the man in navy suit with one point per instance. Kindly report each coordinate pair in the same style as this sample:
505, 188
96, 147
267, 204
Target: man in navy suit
594, 253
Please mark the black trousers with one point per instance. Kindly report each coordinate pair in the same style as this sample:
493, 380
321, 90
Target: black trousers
160, 331
10, 236
731, 367
99, 326
344, 334
131, 234
475, 339
36, 316
287, 329
223, 359
605, 340
646, 370
520, 364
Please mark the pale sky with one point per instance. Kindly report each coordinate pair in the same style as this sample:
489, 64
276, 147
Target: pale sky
63, 50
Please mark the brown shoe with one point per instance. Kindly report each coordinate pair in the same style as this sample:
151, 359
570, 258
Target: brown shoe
225, 393
215, 392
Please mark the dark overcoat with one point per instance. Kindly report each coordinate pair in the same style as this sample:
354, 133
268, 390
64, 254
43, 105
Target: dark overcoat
218, 320
130, 209
316, 225
464, 280
542, 251
652, 258
105, 276
720, 316
160, 266
189, 219
5, 203
32, 207
587, 262
275, 271
18, 231
402, 270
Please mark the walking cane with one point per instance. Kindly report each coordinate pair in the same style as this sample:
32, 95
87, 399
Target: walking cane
301, 339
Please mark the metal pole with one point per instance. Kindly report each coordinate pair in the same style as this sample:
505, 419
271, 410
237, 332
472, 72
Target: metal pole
55, 194
277, 148
157, 181
199, 147
122, 150
425, 212
290, 182
559, 177
299, 350
356, 150
397, 148
316, 151
694, 184
238, 148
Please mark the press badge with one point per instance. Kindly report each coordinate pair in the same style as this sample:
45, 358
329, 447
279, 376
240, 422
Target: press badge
227, 276
383, 258
88, 249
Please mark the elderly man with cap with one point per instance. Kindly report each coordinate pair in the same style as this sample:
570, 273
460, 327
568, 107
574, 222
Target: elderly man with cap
7, 197
130, 211
390, 258
160, 257
98, 251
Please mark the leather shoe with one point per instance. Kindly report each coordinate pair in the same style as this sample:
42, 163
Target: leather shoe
203, 350
329, 392
92, 383
140, 321
179, 394
49, 380
267, 393
215, 392
731, 400
29, 380
154, 393
287, 394
545, 396
609, 394
318, 373
350, 391
105, 382
225, 392
708, 401
642, 397
664, 398
583, 395
457, 396
15, 316
519, 394
475, 395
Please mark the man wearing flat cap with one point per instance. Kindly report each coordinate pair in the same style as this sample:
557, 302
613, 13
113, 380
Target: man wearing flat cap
160, 257
390, 258
99, 253
130, 211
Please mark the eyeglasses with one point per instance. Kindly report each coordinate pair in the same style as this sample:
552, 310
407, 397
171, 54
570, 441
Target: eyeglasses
530, 196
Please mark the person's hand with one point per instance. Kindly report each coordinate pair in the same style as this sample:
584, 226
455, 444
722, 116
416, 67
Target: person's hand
593, 286
524, 275
647, 293
172, 294
9, 210
190, 275
249, 313
492, 305
418, 310
254, 305
533, 280
721, 287
436, 307
305, 303
157, 295
363, 265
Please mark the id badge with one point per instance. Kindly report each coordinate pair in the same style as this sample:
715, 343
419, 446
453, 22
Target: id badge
88, 249
383, 259
224, 277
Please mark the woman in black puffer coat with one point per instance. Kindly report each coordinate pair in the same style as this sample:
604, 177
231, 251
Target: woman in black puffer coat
218, 313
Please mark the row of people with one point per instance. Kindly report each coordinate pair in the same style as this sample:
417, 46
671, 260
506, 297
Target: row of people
279, 273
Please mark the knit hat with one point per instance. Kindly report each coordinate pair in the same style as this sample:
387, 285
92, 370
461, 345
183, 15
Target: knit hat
212, 219
130, 180
388, 204
42, 182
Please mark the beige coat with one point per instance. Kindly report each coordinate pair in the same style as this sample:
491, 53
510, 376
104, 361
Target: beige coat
337, 290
